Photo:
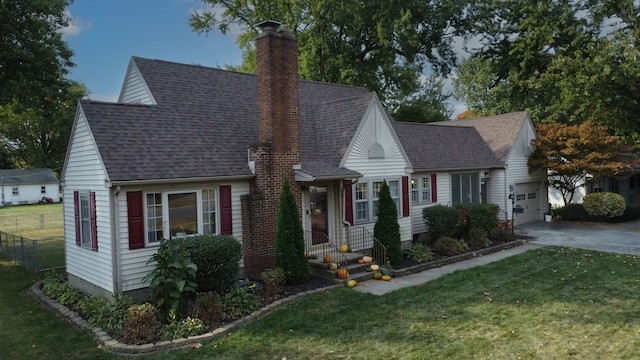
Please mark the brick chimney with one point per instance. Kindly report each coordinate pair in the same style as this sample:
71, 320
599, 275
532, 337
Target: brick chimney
278, 150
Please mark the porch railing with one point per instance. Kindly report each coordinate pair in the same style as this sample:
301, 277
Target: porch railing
360, 239
319, 245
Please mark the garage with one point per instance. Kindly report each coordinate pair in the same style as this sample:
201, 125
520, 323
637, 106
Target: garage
528, 197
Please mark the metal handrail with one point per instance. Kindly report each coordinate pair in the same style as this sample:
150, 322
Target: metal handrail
361, 239
323, 247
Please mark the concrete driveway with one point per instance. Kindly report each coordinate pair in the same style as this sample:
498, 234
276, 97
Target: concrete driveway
618, 238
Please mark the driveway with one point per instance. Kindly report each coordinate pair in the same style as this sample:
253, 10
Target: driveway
618, 238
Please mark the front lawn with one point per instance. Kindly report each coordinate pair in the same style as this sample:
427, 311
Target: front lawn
551, 303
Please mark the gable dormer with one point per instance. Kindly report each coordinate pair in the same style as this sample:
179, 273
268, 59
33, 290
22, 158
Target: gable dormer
134, 89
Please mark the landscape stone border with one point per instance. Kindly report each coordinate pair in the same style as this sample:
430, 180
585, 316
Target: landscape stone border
114, 346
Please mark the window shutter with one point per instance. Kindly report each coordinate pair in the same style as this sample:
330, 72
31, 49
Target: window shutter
348, 201
434, 189
135, 215
405, 196
76, 215
226, 223
94, 224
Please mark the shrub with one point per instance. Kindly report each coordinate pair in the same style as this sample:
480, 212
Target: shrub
424, 239
141, 325
290, 246
171, 279
500, 235
419, 252
55, 287
208, 308
605, 204
237, 303
449, 246
631, 212
90, 306
441, 220
273, 280
572, 212
387, 229
183, 329
112, 315
477, 216
217, 258
478, 238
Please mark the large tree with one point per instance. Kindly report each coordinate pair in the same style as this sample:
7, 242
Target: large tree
562, 61
570, 153
37, 102
386, 46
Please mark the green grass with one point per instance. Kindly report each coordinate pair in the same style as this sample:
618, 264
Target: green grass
29, 332
33, 221
552, 303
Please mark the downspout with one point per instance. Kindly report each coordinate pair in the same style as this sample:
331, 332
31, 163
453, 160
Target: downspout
343, 204
506, 192
115, 249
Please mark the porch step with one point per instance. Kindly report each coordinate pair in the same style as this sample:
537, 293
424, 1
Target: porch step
356, 271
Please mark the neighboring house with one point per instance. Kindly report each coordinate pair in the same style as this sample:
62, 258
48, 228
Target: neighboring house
189, 149
21, 187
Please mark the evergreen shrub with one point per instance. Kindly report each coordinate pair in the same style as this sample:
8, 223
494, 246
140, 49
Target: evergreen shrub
387, 228
605, 204
441, 220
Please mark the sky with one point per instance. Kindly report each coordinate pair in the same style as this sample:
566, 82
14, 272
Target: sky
104, 34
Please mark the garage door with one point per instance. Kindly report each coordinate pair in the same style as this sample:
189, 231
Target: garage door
528, 197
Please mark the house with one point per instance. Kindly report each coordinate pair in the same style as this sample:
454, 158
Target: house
189, 149
21, 187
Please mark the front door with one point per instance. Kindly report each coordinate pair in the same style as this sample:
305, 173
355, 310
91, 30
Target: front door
318, 215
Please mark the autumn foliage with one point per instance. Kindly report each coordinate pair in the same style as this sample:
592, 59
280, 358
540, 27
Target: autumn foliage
572, 152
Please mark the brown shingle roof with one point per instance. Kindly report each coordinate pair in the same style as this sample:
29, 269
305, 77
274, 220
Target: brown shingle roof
432, 147
499, 131
207, 118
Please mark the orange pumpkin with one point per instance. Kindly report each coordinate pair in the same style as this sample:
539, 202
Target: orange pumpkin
327, 258
360, 261
343, 274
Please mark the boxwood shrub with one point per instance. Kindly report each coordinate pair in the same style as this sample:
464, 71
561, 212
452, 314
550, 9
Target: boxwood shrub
605, 204
217, 258
441, 220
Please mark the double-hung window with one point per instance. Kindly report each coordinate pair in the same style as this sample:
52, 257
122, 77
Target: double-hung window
421, 189
362, 201
180, 213
367, 194
85, 220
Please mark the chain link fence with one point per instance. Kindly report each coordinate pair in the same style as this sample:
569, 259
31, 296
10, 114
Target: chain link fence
38, 255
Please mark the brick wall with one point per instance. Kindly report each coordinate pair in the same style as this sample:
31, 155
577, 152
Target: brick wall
279, 146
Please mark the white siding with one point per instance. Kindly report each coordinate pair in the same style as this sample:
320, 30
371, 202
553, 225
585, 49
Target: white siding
134, 89
29, 193
376, 129
133, 263
518, 171
84, 171
443, 190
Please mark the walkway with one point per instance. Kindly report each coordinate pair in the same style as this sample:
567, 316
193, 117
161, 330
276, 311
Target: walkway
619, 238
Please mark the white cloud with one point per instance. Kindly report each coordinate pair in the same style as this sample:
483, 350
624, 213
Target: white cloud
75, 27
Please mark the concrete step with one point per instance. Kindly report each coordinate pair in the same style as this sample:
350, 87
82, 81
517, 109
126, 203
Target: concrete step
356, 271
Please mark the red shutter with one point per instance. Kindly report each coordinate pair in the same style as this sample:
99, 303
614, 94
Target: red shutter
348, 201
405, 196
76, 215
226, 223
434, 189
92, 217
135, 215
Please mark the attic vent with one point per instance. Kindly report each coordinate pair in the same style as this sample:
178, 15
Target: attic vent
376, 151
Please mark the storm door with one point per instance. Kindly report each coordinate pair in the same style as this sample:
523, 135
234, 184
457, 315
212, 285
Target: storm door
318, 215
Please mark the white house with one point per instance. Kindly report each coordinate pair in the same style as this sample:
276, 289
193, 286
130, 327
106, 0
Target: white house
189, 149
29, 186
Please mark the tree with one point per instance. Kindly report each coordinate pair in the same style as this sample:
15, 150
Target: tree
570, 153
37, 102
387, 229
561, 61
290, 247
383, 45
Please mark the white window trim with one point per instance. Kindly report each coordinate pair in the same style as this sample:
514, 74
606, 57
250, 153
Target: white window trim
420, 189
371, 200
85, 222
165, 211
